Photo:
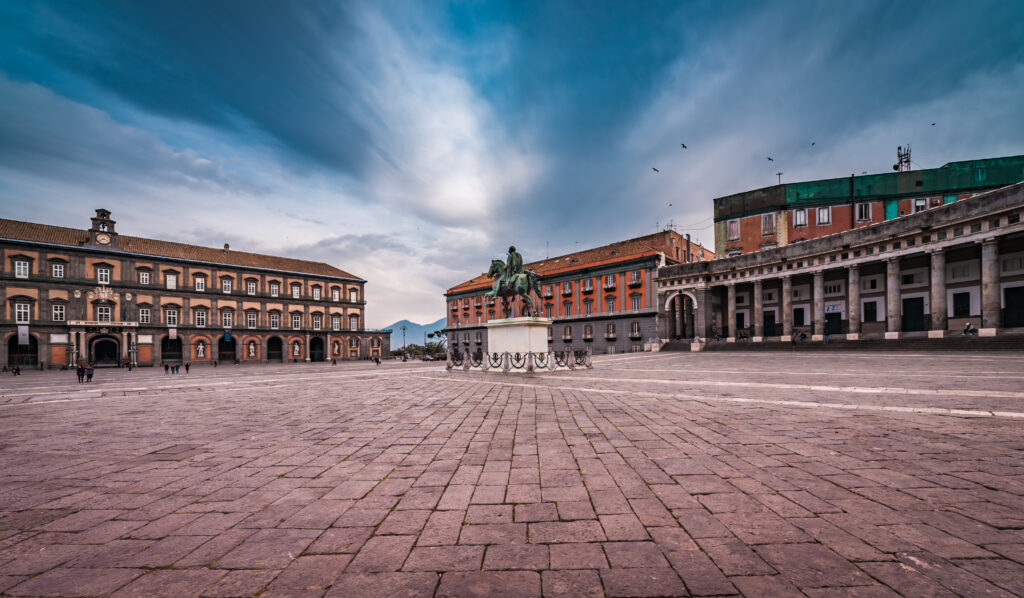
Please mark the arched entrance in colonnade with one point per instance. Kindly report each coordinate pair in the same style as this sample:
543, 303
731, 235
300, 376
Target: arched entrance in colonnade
105, 351
170, 349
275, 349
679, 316
18, 354
316, 349
226, 348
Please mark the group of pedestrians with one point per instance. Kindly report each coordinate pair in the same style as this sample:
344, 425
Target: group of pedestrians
174, 369
84, 373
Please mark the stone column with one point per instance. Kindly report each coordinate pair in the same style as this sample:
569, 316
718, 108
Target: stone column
892, 298
758, 315
307, 346
664, 317
818, 333
124, 346
680, 315
702, 315
787, 308
990, 293
938, 295
853, 304
731, 312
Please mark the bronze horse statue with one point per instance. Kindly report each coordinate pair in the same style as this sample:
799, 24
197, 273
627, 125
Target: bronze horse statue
508, 288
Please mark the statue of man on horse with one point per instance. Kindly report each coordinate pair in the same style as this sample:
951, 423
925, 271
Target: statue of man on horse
511, 281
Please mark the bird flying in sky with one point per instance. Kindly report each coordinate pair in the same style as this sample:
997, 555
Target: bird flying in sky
812, 143
655, 169
683, 144
770, 159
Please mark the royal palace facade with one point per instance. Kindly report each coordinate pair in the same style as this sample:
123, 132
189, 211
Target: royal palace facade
602, 299
94, 296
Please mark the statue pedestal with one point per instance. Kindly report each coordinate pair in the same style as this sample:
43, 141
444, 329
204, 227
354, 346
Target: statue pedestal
518, 335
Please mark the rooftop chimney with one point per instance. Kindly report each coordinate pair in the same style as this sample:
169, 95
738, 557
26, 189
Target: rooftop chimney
687, 246
226, 247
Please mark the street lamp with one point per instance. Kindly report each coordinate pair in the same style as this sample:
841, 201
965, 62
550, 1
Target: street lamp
404, 355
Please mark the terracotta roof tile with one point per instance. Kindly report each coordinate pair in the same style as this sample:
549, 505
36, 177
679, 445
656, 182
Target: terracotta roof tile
72, 237
615, 252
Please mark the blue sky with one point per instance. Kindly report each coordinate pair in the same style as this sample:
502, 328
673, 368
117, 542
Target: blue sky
410, 142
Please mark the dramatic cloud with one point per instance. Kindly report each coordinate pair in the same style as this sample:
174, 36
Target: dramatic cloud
409, 143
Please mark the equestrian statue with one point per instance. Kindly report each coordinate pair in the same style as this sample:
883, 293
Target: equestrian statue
511, 281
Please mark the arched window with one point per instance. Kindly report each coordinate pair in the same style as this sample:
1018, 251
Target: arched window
588, 331
567, 333
353, 342
353, 322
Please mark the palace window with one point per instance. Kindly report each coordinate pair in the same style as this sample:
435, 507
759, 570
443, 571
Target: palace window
21, 269
634, 276
225, 285
227, 318
275, 288
479, 337
103, 275
143, 277
588, 331
22, 313
634, 302
824, 216
353, 295
200, 283
834, 288
567, 308
799, 218
316, 293
296, 291
920, 205
354, 342
250, 287
549, 310
172, 281
567, 333
58, 270
609, 281
58, 313
353, 322
609, 330
250, 319
863, 212
103, 313
961, 305
871, 311
767, 224
335, 294
588, 284
733, 227
588, 307
317, 321
200, 318
336, 322
610, 304
296, 321
144, 315
275, 321
634, 329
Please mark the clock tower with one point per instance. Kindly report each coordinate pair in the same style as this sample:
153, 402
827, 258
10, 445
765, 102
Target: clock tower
102, 232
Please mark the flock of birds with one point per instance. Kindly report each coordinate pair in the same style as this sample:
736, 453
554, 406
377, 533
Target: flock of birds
770, 159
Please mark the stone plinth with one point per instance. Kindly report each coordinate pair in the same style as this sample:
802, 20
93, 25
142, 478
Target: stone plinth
518, 335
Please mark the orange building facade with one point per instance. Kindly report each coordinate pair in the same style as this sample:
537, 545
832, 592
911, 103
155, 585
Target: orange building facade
94, 296
603, 298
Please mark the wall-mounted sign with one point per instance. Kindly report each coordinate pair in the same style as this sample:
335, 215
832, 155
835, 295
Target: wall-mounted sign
23, 335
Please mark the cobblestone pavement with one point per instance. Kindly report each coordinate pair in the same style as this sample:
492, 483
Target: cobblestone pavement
842, 474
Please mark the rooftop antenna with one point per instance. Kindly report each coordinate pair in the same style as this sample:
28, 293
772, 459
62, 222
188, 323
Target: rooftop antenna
902, 159
547, 249
779, 174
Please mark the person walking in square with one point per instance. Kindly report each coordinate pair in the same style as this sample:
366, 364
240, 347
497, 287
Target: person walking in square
167, 369
88, 373
81, 373
187, 365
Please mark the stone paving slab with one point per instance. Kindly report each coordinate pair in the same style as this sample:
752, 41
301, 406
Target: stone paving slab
839, 474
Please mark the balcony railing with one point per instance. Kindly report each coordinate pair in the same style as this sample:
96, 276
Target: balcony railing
609, 285
566, 291
588, 289
635, 282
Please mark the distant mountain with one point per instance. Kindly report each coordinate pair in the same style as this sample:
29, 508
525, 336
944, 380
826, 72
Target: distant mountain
413, 332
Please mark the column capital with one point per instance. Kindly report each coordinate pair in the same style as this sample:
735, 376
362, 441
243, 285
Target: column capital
990, 241
853, 267
892, 259
936, 251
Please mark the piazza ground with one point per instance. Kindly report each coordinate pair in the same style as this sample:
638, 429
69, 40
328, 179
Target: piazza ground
790, 474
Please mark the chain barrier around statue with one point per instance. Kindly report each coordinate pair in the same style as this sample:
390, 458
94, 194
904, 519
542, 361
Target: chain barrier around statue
517, 344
